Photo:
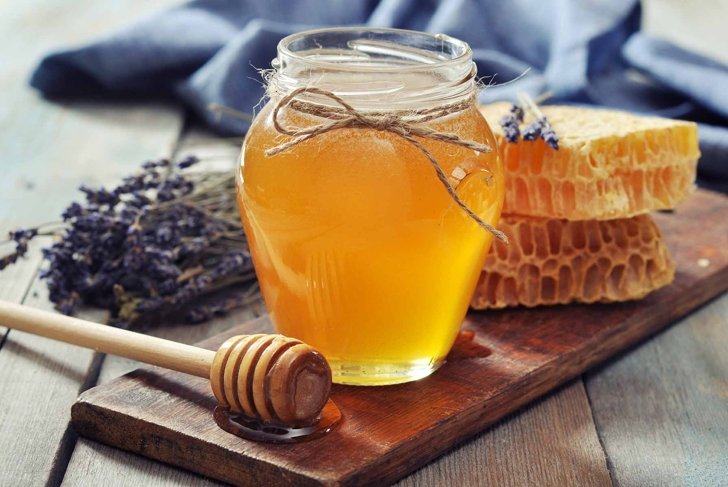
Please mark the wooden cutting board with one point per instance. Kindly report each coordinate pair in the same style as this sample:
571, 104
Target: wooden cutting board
501, 361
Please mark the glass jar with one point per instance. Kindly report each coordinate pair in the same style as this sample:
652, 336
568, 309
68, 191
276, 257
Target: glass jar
359, 248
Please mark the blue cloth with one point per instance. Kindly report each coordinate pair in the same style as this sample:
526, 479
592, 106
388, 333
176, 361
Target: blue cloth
583, 52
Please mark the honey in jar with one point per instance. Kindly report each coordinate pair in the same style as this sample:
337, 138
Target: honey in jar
359, 248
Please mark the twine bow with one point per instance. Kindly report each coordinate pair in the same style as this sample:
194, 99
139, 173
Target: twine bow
407, 125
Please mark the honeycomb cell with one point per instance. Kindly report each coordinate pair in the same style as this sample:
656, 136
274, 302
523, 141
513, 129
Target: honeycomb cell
574, 261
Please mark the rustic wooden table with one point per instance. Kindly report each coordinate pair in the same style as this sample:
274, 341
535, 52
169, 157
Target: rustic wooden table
657, 415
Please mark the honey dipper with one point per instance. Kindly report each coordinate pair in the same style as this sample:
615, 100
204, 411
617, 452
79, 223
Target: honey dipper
269, 378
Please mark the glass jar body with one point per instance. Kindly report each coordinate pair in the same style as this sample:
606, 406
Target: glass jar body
359, 249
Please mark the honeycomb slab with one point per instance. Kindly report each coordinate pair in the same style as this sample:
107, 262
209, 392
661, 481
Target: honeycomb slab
611, 164
555, 261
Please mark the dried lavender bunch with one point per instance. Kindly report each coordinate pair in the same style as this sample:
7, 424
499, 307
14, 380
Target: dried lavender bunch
540, 128
511, 122
534, 130
151, 247
549, 135
20, 238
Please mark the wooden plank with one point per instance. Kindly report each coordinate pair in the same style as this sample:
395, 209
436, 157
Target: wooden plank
39, 380
551, 442
530, 437
16, 279
515, 356
96, 464
92, 461
46, 150
219, 153
534, 447
662, 410
28, 359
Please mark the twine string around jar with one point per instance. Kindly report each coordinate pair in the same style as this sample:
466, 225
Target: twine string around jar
405, 124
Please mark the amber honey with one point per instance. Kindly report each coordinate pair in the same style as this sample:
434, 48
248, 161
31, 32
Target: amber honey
358, 247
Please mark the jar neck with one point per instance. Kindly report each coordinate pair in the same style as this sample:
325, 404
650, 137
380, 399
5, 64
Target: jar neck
375, 69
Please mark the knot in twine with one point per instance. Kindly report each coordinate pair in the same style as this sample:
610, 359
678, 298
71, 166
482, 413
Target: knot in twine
406, 125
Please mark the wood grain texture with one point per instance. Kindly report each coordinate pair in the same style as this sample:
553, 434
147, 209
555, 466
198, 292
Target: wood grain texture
95, 464
519, 356
49, 375
662, 410
217, 153
46, 150
15, 280
40, 380
49, 148
550, 442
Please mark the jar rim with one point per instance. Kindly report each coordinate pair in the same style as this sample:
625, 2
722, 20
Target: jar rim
464, 53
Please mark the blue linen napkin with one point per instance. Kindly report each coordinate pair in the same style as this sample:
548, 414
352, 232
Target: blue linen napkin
209, 51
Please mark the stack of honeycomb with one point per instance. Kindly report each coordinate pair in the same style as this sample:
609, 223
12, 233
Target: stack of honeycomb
577, 218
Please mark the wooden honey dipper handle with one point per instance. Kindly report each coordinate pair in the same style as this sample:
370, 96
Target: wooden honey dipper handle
115, 341
267, 377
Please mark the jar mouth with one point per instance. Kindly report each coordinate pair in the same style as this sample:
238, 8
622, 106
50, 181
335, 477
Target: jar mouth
375, 67
364, 49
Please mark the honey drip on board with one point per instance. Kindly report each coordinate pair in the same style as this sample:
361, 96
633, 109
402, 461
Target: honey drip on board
252, 429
